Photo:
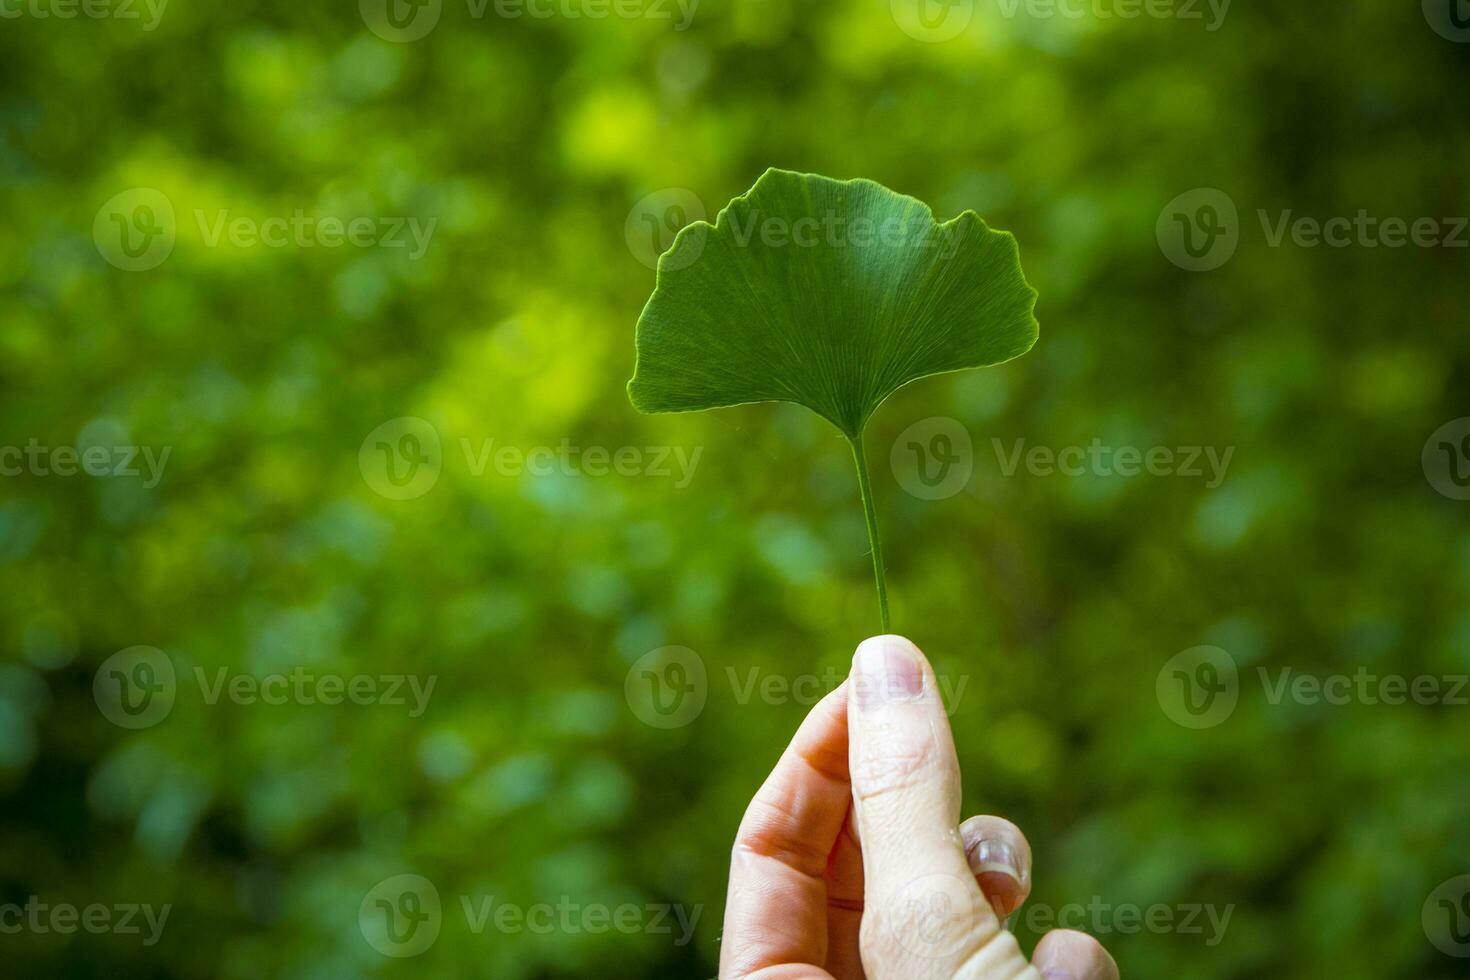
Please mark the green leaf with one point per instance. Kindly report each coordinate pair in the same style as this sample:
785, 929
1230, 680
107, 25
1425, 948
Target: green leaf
831, 294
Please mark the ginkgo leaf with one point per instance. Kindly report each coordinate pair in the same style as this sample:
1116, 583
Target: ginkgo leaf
831, 294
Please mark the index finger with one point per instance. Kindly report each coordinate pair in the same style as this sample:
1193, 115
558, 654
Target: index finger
776, 909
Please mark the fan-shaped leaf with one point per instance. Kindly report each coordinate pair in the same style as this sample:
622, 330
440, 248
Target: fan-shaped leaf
827, 293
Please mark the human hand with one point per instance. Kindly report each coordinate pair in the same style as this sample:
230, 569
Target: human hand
851, 862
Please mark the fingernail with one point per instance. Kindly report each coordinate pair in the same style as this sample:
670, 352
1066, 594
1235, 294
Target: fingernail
996, 856
1055, 973
887, 671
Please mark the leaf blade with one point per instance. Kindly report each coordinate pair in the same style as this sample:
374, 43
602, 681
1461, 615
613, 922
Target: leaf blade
830, 294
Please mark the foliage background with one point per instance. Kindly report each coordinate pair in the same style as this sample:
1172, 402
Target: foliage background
529, 778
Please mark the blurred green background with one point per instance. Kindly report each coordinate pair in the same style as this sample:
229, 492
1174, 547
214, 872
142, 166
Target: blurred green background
270, 545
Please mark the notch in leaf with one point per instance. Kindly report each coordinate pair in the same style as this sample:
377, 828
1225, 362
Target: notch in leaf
831, 294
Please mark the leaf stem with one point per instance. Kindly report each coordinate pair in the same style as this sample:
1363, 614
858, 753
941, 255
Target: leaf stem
865, 488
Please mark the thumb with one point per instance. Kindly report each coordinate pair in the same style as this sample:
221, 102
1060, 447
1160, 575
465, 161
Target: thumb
924, 915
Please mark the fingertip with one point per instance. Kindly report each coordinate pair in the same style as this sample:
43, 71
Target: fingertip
889, 669
1065, 954
1000, 858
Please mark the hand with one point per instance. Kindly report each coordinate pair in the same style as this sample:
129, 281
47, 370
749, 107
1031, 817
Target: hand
851, 862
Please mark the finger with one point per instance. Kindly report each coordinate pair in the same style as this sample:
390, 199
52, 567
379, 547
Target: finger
1064, 954
925, 914
776, 909
845, 904
1000, 858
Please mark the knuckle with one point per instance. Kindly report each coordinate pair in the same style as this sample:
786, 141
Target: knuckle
895, 769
